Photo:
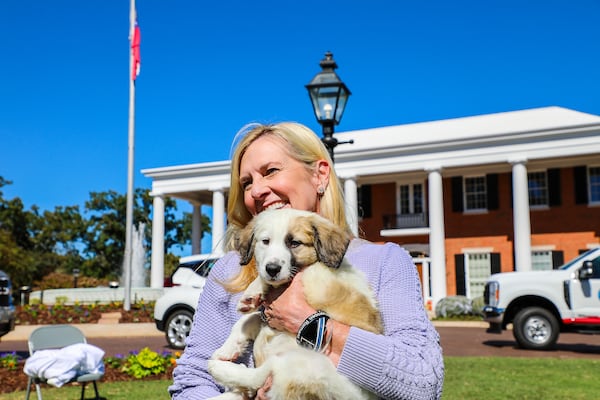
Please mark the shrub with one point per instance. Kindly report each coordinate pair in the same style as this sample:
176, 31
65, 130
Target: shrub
477, 304
9, 361
59, 280
145, 363
453, 306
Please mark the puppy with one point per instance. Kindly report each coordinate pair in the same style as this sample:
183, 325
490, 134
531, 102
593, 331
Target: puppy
283, 242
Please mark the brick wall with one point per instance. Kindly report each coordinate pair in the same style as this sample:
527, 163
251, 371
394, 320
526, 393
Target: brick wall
568, 227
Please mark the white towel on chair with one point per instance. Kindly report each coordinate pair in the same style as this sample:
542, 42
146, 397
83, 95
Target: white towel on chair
59, 366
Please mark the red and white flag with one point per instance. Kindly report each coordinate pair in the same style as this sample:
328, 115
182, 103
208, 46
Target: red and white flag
135, 51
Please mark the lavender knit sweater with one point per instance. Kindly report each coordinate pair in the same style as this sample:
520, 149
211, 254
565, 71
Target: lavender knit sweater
404, 363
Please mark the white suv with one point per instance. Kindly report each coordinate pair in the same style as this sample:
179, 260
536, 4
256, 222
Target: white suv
7, 309
174, 310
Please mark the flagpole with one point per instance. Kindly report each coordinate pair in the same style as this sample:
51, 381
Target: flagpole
130, 167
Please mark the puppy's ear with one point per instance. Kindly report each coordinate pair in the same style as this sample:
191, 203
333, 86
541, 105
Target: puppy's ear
331, 242
245, 243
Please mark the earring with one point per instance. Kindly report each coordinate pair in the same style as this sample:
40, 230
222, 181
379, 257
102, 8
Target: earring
320, 190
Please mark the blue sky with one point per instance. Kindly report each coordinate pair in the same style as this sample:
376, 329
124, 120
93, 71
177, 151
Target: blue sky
208, 68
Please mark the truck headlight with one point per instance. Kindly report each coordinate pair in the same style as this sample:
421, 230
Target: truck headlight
492, 293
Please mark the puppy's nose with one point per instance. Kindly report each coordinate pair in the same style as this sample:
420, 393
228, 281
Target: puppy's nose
273, 269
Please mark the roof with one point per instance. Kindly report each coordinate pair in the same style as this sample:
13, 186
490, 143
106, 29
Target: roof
457, 129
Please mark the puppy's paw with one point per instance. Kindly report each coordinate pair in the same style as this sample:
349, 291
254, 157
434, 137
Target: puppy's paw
230, 351
219, 369
249, 303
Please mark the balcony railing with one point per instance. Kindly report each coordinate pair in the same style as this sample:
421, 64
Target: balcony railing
403, 221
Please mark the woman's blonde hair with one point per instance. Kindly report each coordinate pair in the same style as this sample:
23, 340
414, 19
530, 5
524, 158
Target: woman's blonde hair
304, 146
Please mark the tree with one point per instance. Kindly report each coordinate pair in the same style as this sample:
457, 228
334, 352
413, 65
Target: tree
105, 237
35, 243
28, 247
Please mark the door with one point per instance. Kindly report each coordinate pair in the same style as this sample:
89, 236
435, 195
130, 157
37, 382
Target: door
585, 294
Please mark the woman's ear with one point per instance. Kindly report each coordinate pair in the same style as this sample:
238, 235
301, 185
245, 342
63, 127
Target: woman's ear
322, 171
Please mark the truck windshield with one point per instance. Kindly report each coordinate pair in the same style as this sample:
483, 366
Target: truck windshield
576, 259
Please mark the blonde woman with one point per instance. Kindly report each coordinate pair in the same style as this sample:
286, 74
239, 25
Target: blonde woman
286, 166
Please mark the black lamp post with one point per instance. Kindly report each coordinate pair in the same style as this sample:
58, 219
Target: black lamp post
328, 95
75, 276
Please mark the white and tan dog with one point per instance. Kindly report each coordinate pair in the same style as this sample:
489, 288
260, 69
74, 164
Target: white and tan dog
282, 243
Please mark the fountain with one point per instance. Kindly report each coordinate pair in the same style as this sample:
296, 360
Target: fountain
138, 257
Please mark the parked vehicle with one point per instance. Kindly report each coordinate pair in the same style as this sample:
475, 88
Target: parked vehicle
541, 304
7, 308
174, 310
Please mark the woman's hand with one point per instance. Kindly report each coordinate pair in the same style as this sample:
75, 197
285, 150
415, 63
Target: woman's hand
286, 307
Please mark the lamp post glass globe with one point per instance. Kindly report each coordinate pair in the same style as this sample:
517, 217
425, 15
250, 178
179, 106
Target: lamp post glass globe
328, 95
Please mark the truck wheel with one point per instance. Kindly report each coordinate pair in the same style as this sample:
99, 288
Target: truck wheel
535, 328
178, 328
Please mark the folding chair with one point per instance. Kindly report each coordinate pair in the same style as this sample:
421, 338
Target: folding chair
56, 337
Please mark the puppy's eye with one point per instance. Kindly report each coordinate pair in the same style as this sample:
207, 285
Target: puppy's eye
265, 242
294, 244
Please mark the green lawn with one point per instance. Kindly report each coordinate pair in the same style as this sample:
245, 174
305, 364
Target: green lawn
467, 378
493, 378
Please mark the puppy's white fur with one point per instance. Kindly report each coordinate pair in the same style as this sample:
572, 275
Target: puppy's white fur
282, 243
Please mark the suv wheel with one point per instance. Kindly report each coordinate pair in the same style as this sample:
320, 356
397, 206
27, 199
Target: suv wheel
178, 328
535, 328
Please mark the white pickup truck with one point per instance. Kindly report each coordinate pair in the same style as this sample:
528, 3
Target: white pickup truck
541, 304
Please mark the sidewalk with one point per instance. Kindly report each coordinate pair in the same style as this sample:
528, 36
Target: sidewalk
22, 332
114, 329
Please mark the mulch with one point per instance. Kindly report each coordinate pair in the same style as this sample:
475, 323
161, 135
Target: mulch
16, 380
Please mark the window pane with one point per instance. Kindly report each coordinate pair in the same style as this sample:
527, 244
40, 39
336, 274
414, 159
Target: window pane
404, 200
418, 198
479, 270
541, 260
475, 193
538, 188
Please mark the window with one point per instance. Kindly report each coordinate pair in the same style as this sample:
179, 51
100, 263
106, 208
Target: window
594, 184
411, 199
410, 207
478, 271
475, 193
538, 188
404, 200
541, 260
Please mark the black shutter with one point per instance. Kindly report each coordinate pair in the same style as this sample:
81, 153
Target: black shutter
558, 259
364, 201
457, 194
580, 180
495, 263
461, 285
554, 198
492, 191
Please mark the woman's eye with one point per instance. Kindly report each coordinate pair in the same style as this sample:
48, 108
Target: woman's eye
271, 171
246, 185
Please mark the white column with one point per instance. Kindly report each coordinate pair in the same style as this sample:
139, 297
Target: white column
218, 221
158, 242
196, 228
351, 197
437, 235
521, 221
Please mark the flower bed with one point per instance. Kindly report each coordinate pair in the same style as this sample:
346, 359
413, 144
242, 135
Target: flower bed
145, 364
41, 314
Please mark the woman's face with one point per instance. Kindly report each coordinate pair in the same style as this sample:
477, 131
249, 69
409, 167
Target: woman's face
271, 178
